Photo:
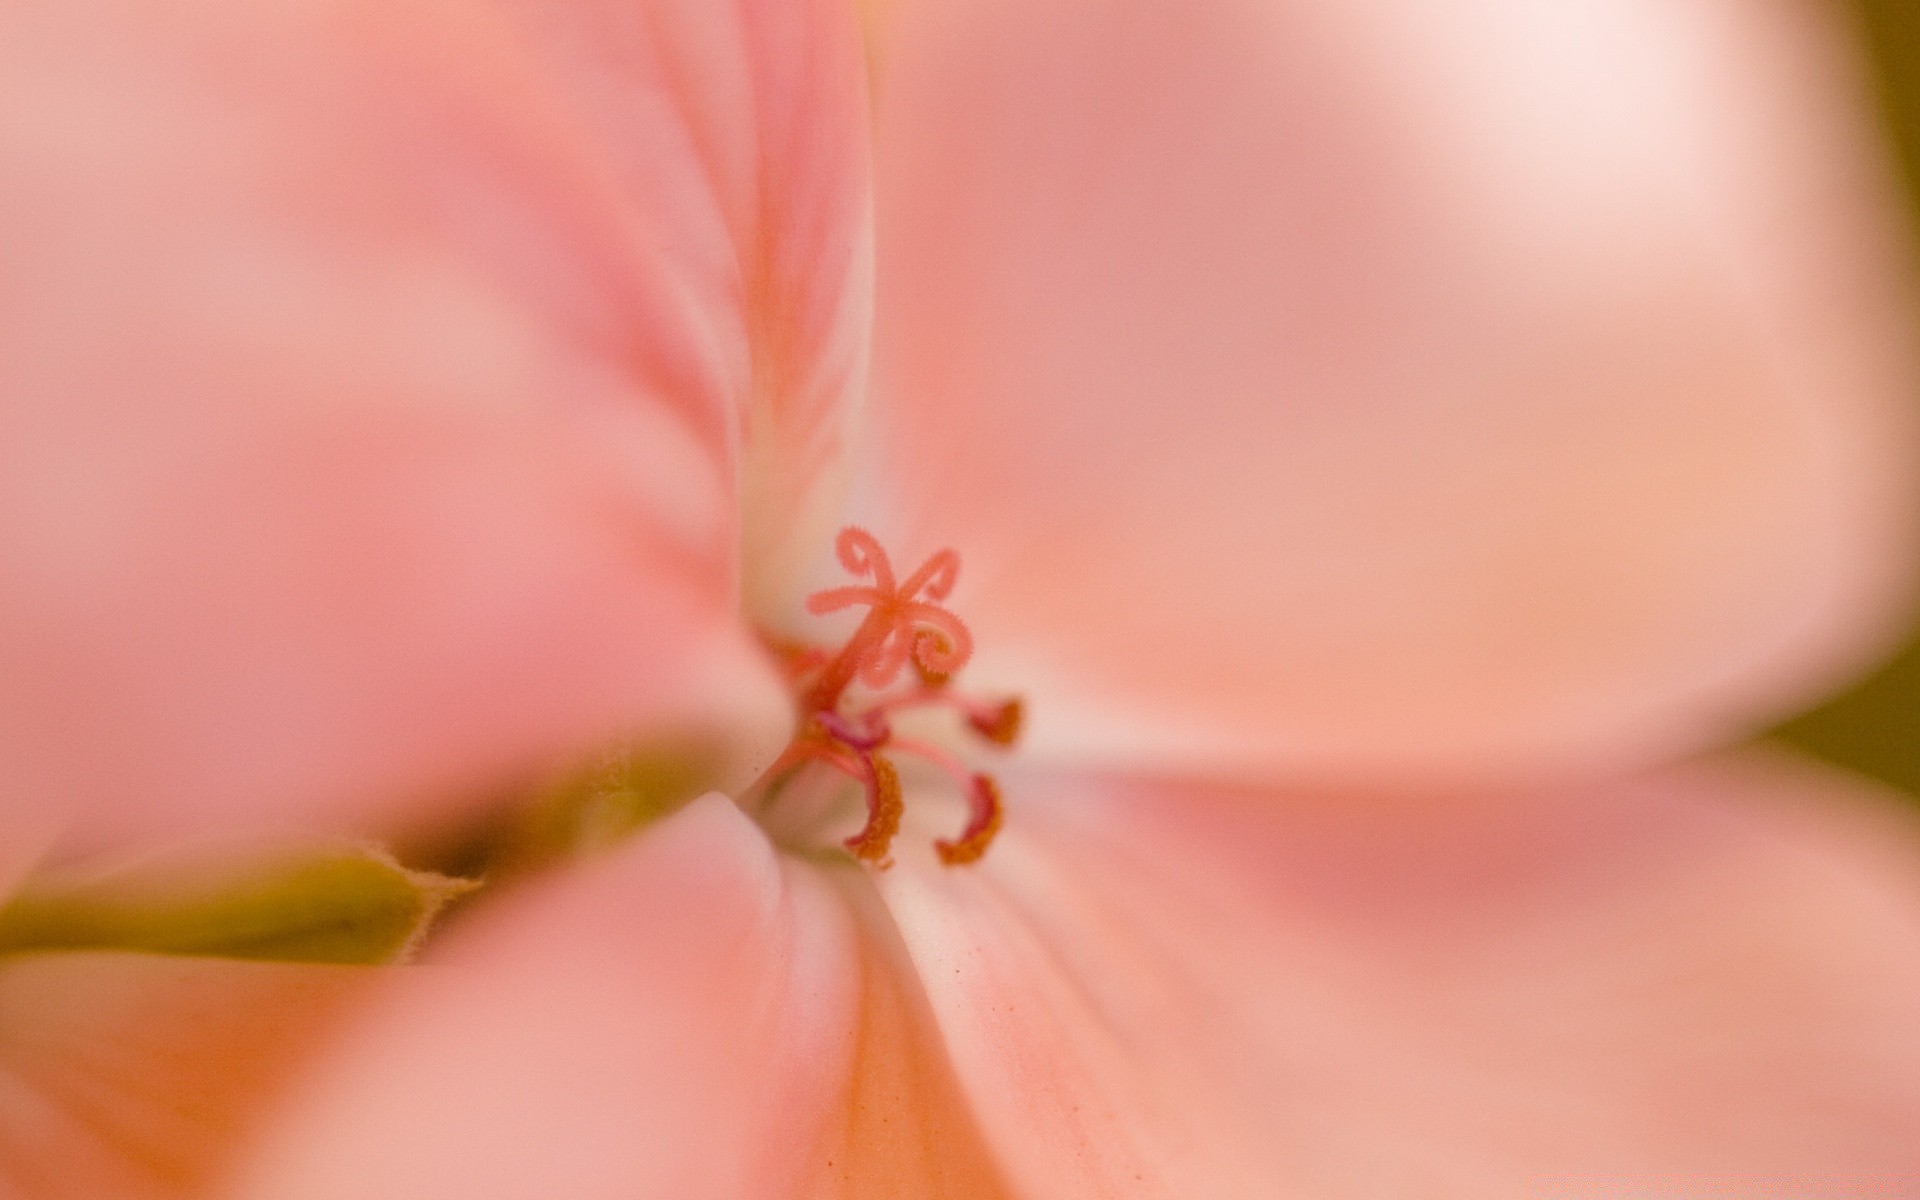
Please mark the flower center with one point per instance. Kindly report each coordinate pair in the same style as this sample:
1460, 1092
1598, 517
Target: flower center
846, 699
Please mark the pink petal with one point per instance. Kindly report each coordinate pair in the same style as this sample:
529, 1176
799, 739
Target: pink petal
693, 1017
743, 126
125, 1075
671, 1021
900, 1125
1383, 388
370, 431
1700, 983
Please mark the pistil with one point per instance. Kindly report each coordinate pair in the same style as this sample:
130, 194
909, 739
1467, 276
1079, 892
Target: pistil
846, 729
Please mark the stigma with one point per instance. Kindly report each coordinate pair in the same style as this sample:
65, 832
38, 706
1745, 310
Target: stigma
904, 654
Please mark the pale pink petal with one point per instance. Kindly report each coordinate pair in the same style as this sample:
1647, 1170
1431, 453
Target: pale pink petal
673, 1020
694, 1017
1699, 984
899, 1125
136, 1075
1398, 386
743, 126
370, 430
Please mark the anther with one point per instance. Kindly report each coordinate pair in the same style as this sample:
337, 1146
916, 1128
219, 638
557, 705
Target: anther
1000, 724
981, 828
884, 807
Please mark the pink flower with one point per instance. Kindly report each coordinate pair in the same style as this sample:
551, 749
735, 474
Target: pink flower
1385, 442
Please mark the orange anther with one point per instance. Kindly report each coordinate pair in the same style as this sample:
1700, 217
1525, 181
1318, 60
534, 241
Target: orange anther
1000, 725
884, 808
980, 830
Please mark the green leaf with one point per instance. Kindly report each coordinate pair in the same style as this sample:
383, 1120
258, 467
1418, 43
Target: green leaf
332, 904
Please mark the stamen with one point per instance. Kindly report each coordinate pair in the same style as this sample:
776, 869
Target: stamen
1000, 725
884, 807
982, 793
981, 830
937, 757
997, 721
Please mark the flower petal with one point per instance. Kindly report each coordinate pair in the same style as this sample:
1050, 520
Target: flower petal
690, 1017
369, 431
743, 125
1386, 388
137, 1075
902, 1127
669, 1021
1699, 984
